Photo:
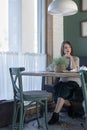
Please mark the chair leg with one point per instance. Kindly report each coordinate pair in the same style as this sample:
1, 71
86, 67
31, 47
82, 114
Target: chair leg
14, 120
46, 115
21, 121
86, 123
37, 115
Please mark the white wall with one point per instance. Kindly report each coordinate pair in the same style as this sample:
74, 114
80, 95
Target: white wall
57, 34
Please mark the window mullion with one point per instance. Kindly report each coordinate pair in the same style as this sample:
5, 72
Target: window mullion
41, 26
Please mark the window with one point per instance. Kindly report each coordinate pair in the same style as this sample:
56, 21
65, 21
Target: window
22, 28
21, 31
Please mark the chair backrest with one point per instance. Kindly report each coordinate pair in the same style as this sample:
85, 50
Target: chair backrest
83, 77
16, 79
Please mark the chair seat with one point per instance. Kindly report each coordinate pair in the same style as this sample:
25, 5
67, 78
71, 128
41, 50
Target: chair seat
36, 94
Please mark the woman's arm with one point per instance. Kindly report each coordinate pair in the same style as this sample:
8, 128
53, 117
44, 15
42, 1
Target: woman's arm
74, 62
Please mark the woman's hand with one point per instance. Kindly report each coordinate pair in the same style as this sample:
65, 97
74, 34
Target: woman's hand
72, 62
68, 55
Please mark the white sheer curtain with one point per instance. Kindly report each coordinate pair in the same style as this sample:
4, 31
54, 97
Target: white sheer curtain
31, 62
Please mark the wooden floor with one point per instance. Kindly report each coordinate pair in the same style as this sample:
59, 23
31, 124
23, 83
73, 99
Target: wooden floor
65, 123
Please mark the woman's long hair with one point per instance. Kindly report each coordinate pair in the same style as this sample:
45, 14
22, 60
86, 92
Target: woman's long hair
62, 48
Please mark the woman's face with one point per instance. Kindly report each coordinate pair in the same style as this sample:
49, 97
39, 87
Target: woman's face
67, 49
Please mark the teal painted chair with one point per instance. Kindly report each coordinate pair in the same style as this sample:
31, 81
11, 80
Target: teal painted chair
20, 96
83, 77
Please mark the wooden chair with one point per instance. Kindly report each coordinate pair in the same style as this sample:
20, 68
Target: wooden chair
83, 77
21, 96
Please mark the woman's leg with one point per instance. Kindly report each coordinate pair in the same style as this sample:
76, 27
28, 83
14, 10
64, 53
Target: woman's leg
59, 105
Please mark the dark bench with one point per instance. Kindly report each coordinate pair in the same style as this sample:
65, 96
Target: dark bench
83, 60
6, 112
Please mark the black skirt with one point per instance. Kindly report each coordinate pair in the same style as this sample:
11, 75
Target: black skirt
69, 91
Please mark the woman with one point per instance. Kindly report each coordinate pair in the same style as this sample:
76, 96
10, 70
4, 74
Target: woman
65, 89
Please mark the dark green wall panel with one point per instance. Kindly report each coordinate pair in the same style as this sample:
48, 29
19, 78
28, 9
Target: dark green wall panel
72, 31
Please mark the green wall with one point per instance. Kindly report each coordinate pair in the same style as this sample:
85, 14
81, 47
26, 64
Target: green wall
72, 31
